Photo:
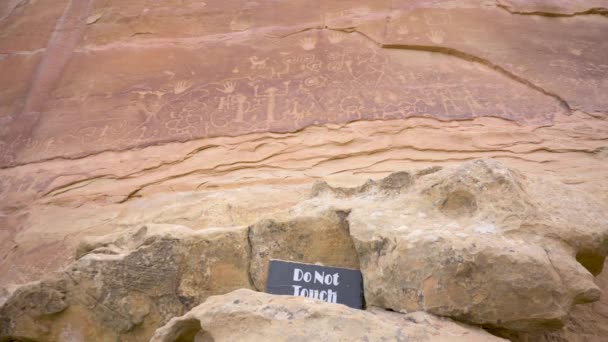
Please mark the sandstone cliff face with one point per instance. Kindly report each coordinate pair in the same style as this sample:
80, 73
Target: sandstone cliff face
117, 115
479, 243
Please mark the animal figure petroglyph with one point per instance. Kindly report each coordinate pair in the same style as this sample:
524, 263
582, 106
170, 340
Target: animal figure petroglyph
257, 63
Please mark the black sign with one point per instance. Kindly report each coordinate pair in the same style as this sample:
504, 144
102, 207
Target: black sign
331, 284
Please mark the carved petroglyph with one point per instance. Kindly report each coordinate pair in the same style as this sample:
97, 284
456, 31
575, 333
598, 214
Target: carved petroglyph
436, 36
257, 63
403, 30
336, 37
271, 94
352, 106
289, 88
308, 43
181, 86
228, 87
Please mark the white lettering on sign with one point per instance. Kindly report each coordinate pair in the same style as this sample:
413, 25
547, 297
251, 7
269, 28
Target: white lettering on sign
319, 278
326, 295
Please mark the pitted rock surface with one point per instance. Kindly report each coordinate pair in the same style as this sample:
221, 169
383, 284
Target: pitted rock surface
124, 285
263, 317
479, 243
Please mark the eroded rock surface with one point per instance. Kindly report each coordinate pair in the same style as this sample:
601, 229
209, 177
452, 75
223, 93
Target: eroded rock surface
124, 285
479, 243
323, 239
176, 71
115, 115
263, 317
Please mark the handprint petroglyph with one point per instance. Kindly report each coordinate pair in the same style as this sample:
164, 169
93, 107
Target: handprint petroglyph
436, 36
229, 87
308, 43
403, 30
181, 87
336, 37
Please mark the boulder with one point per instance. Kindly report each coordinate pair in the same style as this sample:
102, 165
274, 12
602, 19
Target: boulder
323, 238
125, 285
244, 315
479, 242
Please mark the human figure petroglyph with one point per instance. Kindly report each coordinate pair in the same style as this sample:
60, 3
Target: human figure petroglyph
243, 106
237, 103
270, 94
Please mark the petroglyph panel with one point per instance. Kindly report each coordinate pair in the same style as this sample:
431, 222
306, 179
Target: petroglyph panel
136, 77
316, 77
576, 71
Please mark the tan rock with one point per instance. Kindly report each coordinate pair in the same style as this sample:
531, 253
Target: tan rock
245, 315
479, 242
322, 239
122, 114
125, 286
586, 323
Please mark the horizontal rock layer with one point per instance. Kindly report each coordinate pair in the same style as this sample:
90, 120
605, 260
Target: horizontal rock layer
479, 243
117, 115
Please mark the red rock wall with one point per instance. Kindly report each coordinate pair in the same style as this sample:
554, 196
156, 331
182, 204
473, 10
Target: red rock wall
114, 113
